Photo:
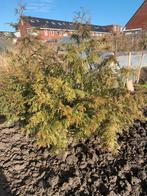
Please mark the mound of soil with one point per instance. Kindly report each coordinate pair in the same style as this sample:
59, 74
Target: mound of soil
85, 169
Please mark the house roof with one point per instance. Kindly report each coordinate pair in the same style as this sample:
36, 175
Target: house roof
139, 19
58, 24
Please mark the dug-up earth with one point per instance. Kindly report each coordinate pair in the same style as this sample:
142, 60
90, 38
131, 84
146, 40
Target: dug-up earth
84, 170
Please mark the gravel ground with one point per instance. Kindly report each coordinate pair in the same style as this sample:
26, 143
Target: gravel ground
85, 169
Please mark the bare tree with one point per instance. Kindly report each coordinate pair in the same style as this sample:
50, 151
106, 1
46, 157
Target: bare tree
19, 11
82, 26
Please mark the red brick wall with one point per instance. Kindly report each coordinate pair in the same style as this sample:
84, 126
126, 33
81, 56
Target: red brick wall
23, 25
114, 28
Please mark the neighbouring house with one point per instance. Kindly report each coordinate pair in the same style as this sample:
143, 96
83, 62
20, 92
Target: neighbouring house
49, 30
138, 21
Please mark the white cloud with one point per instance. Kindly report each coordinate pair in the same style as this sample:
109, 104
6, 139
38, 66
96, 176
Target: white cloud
39, 5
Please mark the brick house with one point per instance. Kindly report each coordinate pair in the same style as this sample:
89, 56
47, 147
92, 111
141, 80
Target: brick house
138, 21
48, 29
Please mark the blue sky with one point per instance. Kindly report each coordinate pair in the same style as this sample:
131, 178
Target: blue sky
102, 12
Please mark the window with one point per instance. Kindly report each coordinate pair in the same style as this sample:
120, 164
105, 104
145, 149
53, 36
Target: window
65, 34
52, 32
53, 23
60, 33
33, 32
45, 32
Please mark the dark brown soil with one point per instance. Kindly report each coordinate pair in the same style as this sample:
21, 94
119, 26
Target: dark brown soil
85, 169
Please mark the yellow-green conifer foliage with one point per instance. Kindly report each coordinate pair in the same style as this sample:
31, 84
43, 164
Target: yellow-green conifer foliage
57, 96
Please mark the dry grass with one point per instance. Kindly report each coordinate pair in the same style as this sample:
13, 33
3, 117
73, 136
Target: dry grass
5, 58
3, 62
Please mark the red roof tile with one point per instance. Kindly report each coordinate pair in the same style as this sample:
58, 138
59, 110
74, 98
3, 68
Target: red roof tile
139, 19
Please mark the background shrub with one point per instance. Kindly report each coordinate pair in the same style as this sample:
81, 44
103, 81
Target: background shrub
57, 97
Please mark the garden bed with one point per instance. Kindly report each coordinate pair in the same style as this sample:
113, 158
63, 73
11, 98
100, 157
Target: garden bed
85, 169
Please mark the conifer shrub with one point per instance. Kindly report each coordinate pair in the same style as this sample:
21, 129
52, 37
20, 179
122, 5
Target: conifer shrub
62, 96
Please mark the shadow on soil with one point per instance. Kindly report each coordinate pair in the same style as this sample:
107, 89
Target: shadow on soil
2, 119
4, 186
